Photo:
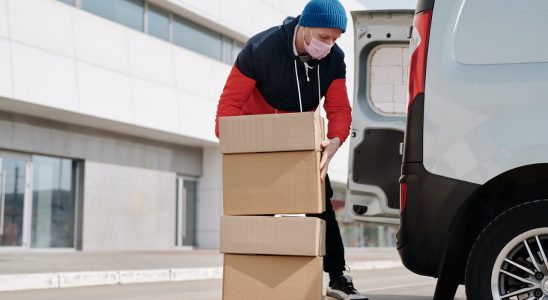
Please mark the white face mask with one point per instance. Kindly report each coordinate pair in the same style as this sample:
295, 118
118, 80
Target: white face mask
317, 49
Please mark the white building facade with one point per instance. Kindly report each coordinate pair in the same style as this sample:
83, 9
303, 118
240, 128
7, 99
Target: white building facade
107, 115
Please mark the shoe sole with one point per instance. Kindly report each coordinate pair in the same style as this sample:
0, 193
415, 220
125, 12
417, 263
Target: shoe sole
328, 298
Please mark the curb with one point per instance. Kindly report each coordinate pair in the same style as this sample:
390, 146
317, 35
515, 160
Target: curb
375, 265
20, 282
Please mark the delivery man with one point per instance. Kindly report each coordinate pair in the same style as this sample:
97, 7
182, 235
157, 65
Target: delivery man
289, 68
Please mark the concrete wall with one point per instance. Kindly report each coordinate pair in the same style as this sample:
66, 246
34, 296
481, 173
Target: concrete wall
62, 57
128, 183
127, 208
210, 200
43, 136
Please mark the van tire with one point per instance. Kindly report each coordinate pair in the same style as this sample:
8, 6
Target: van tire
494, 238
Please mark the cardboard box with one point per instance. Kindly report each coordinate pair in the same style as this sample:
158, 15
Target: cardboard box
271, 133
273, 183
252, 277
303, 236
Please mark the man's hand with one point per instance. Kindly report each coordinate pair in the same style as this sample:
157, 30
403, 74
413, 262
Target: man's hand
329, 148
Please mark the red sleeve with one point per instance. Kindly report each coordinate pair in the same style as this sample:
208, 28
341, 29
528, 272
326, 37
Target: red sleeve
236, 92
337, 108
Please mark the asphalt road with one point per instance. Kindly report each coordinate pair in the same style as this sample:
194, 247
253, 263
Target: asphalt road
393, 284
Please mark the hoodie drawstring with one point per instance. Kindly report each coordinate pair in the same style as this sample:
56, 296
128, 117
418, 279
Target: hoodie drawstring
298, 87
306, 66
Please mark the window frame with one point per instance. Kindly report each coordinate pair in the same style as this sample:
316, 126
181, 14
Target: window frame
169, 21
234, 42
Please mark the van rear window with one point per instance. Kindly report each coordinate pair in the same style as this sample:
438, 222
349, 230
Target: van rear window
388, 69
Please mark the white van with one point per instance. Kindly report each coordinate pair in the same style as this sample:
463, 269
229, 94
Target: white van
469, 181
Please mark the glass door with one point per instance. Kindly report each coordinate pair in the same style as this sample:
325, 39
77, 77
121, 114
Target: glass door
37, 201
53, 202
14, 200
185, 233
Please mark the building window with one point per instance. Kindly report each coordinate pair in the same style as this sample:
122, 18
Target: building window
38, 201
145, 17
231, 48
14, 174
53, 202
228, 50
69, 2
126, 12
157, 22
196, 38
237, 49
185, 207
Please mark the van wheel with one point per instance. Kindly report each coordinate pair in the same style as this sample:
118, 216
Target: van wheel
508, 260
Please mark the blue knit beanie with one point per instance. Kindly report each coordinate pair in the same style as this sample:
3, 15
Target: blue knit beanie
324, 13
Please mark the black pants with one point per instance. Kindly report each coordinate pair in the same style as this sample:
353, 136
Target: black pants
333, 262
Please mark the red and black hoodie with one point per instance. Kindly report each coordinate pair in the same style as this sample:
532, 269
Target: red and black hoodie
263, 81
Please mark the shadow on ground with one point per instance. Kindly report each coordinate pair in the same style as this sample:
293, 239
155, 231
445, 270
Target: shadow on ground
400, 297
397, 297
393, 297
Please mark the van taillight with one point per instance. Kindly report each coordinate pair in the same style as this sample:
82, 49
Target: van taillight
418, 49
403, 195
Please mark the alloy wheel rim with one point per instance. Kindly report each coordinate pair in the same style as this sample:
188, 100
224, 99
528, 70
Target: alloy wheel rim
521, 269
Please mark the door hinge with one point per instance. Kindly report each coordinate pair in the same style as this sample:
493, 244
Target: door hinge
362, 30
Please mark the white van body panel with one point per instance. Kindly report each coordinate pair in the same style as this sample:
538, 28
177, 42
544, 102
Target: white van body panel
516, 29
486, 111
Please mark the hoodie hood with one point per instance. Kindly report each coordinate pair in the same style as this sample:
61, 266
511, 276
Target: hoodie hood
268, 58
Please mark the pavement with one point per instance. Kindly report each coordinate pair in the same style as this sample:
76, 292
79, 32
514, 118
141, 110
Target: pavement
28, 270
389, 284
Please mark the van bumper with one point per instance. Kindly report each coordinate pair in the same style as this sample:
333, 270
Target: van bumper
430, 219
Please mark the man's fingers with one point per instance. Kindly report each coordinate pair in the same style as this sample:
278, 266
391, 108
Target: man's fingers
323, 161
323, 169
323, 173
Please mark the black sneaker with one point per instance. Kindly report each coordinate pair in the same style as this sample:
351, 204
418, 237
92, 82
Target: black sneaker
342, 288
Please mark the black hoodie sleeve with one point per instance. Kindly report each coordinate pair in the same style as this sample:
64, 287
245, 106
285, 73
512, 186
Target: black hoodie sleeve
244, 61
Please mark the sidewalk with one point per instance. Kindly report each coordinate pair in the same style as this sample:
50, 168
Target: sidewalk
42, 270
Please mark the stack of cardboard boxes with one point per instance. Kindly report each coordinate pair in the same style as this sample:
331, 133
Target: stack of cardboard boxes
271, 167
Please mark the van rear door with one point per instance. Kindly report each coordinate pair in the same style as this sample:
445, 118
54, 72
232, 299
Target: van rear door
378, 116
